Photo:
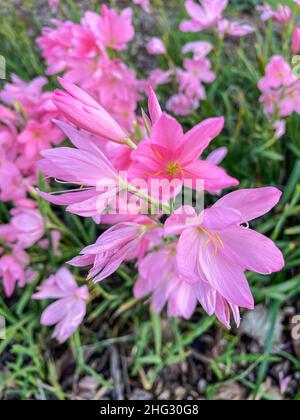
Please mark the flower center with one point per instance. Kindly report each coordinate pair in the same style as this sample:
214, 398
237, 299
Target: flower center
173, 168
214, 238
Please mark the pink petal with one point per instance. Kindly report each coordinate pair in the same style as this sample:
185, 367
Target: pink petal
251, 203
252, 251
198, 138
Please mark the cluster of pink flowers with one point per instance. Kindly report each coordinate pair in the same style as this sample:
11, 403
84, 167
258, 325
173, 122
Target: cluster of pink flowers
280, 92
130, 171
26, 128
280, 86
87, 54
197, 70
183, 259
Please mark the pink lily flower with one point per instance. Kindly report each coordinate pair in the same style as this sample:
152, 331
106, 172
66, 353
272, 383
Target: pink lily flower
170, 154
38, 136
69, 310
113, 30
278, 73
83, 111
26, 227
203, 16
200, 49
124, 241
12, 271
85, 166
158, 276
215, 249
234, 28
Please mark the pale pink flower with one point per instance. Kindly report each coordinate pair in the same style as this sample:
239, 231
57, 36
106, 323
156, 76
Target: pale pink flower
203, 15
145, 4
83, 111
200, 49
181, 104
278, 73
56, 47
282, 15
159, 276
215, 248
113, 30
70, 308
156, 47
124, 241
12, 271
27, 95
85, 166
38, 136
296, 41
201, 69
27, 227
234, 28
159, 77
12, 185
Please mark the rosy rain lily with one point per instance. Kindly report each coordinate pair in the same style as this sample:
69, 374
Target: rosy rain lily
84, 112
172, 155
203, 15
113, 30
68, 311
12, 271
85, 166
121, 242
215, 248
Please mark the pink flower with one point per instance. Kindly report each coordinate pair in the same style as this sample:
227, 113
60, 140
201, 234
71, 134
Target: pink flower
296, 41
121, 242
28, 95
70, 308
159, 276
156, 47
181, 104
278, 73
145, 4
38, 136
55, 45
215, 249
84, 166
282, 15
170, 154
27, 227
12, 186
200, 49
200, 69
203, 16
159, 77
12, 271
83, 111
234, 28
113, 30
